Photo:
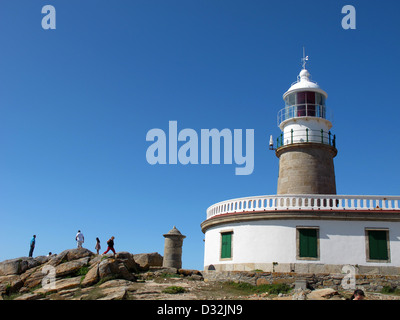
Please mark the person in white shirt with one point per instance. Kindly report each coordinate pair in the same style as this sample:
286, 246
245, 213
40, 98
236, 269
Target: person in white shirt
79, 239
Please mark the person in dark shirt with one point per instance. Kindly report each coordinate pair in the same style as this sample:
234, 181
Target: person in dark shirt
110, 244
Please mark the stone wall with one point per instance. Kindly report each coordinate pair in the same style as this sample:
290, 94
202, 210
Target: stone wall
306, 168
366, 282
300, 268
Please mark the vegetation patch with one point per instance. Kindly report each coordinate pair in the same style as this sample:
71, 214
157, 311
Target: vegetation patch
105, 279
82, 271
174, 290
390, 290
169, 275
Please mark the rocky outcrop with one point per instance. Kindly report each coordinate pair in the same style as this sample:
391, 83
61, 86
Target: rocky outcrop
72, 269
70, 255
318, 294
110, 268
78, 274
147, 260
17, 266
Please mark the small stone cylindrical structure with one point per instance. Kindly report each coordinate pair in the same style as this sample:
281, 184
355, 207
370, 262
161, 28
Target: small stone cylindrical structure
306, 168
173, 249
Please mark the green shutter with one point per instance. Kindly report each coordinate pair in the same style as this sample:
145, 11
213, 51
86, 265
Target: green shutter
308, 243
377, 245
226, 245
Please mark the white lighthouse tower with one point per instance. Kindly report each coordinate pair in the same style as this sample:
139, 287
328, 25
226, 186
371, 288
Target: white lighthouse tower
306, 147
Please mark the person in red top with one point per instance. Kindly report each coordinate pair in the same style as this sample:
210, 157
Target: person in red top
110, 244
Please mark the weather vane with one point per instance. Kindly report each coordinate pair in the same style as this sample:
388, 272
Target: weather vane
304, 59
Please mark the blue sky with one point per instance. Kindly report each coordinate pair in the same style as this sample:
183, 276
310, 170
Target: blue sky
77, 102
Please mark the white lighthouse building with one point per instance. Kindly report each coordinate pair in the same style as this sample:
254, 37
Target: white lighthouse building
306, 227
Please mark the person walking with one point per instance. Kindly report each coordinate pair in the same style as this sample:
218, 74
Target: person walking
33, 241
80, 239
97, 247
110, 244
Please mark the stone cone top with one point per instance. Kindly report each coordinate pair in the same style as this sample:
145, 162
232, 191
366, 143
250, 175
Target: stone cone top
174, 232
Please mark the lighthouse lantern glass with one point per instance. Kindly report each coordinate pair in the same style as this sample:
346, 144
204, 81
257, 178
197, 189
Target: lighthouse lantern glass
304, 104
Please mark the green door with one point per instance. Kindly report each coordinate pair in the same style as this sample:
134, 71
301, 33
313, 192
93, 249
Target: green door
308, 243
377, 245
226, 245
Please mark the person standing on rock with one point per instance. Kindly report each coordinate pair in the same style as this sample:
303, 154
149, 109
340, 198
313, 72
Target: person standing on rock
33, 241
80, 239
110, 244
97, 247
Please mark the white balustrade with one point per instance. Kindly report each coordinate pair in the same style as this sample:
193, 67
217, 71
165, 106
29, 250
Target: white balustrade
304, 202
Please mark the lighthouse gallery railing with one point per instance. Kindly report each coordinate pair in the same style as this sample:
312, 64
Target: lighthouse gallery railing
306, 135
304, 202
304, 110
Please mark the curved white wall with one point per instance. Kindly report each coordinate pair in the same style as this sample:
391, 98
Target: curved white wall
267, 241
299, 126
